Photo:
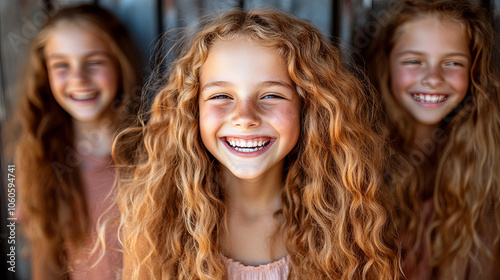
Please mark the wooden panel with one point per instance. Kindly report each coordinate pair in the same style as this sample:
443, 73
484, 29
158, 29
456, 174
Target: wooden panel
182, 18
19, 22
317, 11
177, 15
495, 12
185, 13
141, 19
62, 3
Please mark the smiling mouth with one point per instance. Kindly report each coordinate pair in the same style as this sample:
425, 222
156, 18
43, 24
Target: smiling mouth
247, 146
83, 95
429, 98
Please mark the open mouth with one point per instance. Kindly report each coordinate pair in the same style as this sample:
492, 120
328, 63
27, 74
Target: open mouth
429, 98
248, 145
83, 95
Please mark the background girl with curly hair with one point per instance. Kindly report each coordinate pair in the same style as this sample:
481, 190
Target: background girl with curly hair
432, 66
262, 158
79, 87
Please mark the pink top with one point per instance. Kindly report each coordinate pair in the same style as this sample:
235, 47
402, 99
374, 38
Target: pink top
277, 270
97, 181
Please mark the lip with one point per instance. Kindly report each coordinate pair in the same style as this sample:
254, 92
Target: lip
427, 99
248, 138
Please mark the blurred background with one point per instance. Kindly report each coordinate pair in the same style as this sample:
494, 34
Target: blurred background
348, 23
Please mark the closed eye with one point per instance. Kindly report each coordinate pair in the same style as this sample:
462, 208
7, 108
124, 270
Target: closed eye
61, 65
219, 96
95, 62
453, 63
411, 62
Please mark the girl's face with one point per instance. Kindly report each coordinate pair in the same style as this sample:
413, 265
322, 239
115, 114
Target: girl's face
249, 109
82, 73
429, 68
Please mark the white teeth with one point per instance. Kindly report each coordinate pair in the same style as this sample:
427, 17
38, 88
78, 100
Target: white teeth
247, 150
247, 146
429, 98
83, 95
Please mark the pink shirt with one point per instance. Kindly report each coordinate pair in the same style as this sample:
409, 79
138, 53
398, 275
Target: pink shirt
277, 270
97, 181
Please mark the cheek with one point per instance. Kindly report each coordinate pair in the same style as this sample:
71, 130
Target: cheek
286, 120
107, 79
56, 82
211, 118
459, 80
401, 81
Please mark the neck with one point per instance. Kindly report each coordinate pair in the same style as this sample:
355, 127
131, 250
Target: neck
93, 138
255, 197
424, 135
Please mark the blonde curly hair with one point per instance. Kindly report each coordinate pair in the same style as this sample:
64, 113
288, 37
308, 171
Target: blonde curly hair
171, 198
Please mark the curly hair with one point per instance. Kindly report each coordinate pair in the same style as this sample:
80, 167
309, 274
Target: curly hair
171, 197
50, 188
466, 188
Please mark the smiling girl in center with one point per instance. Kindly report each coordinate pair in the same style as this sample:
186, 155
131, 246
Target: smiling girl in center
262, 158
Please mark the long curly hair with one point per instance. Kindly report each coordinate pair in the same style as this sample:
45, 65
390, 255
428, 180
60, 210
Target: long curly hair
52, 200
171, 197
464, 153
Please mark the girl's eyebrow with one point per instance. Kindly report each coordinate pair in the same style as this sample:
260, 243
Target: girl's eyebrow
278, 83
216, 84
92, 53
412, 52
270, 83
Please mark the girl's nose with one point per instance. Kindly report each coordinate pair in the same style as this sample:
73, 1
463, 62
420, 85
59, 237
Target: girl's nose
78, 74
245, 114
434, 77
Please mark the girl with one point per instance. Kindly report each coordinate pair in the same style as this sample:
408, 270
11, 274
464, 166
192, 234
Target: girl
431, 64
80, 86
261, 159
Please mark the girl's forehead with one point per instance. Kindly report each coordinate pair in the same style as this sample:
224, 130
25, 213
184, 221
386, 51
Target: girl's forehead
245, 40
68, 38
427, 21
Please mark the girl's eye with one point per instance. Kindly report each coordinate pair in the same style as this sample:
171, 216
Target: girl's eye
272, 95
219, 96
94, 63
453, 63
411, 62
60, 66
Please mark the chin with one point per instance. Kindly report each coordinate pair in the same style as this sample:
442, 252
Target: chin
430, 122
245, 173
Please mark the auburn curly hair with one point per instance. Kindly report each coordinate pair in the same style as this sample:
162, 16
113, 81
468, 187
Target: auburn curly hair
171, 198
52, 200
466, 190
